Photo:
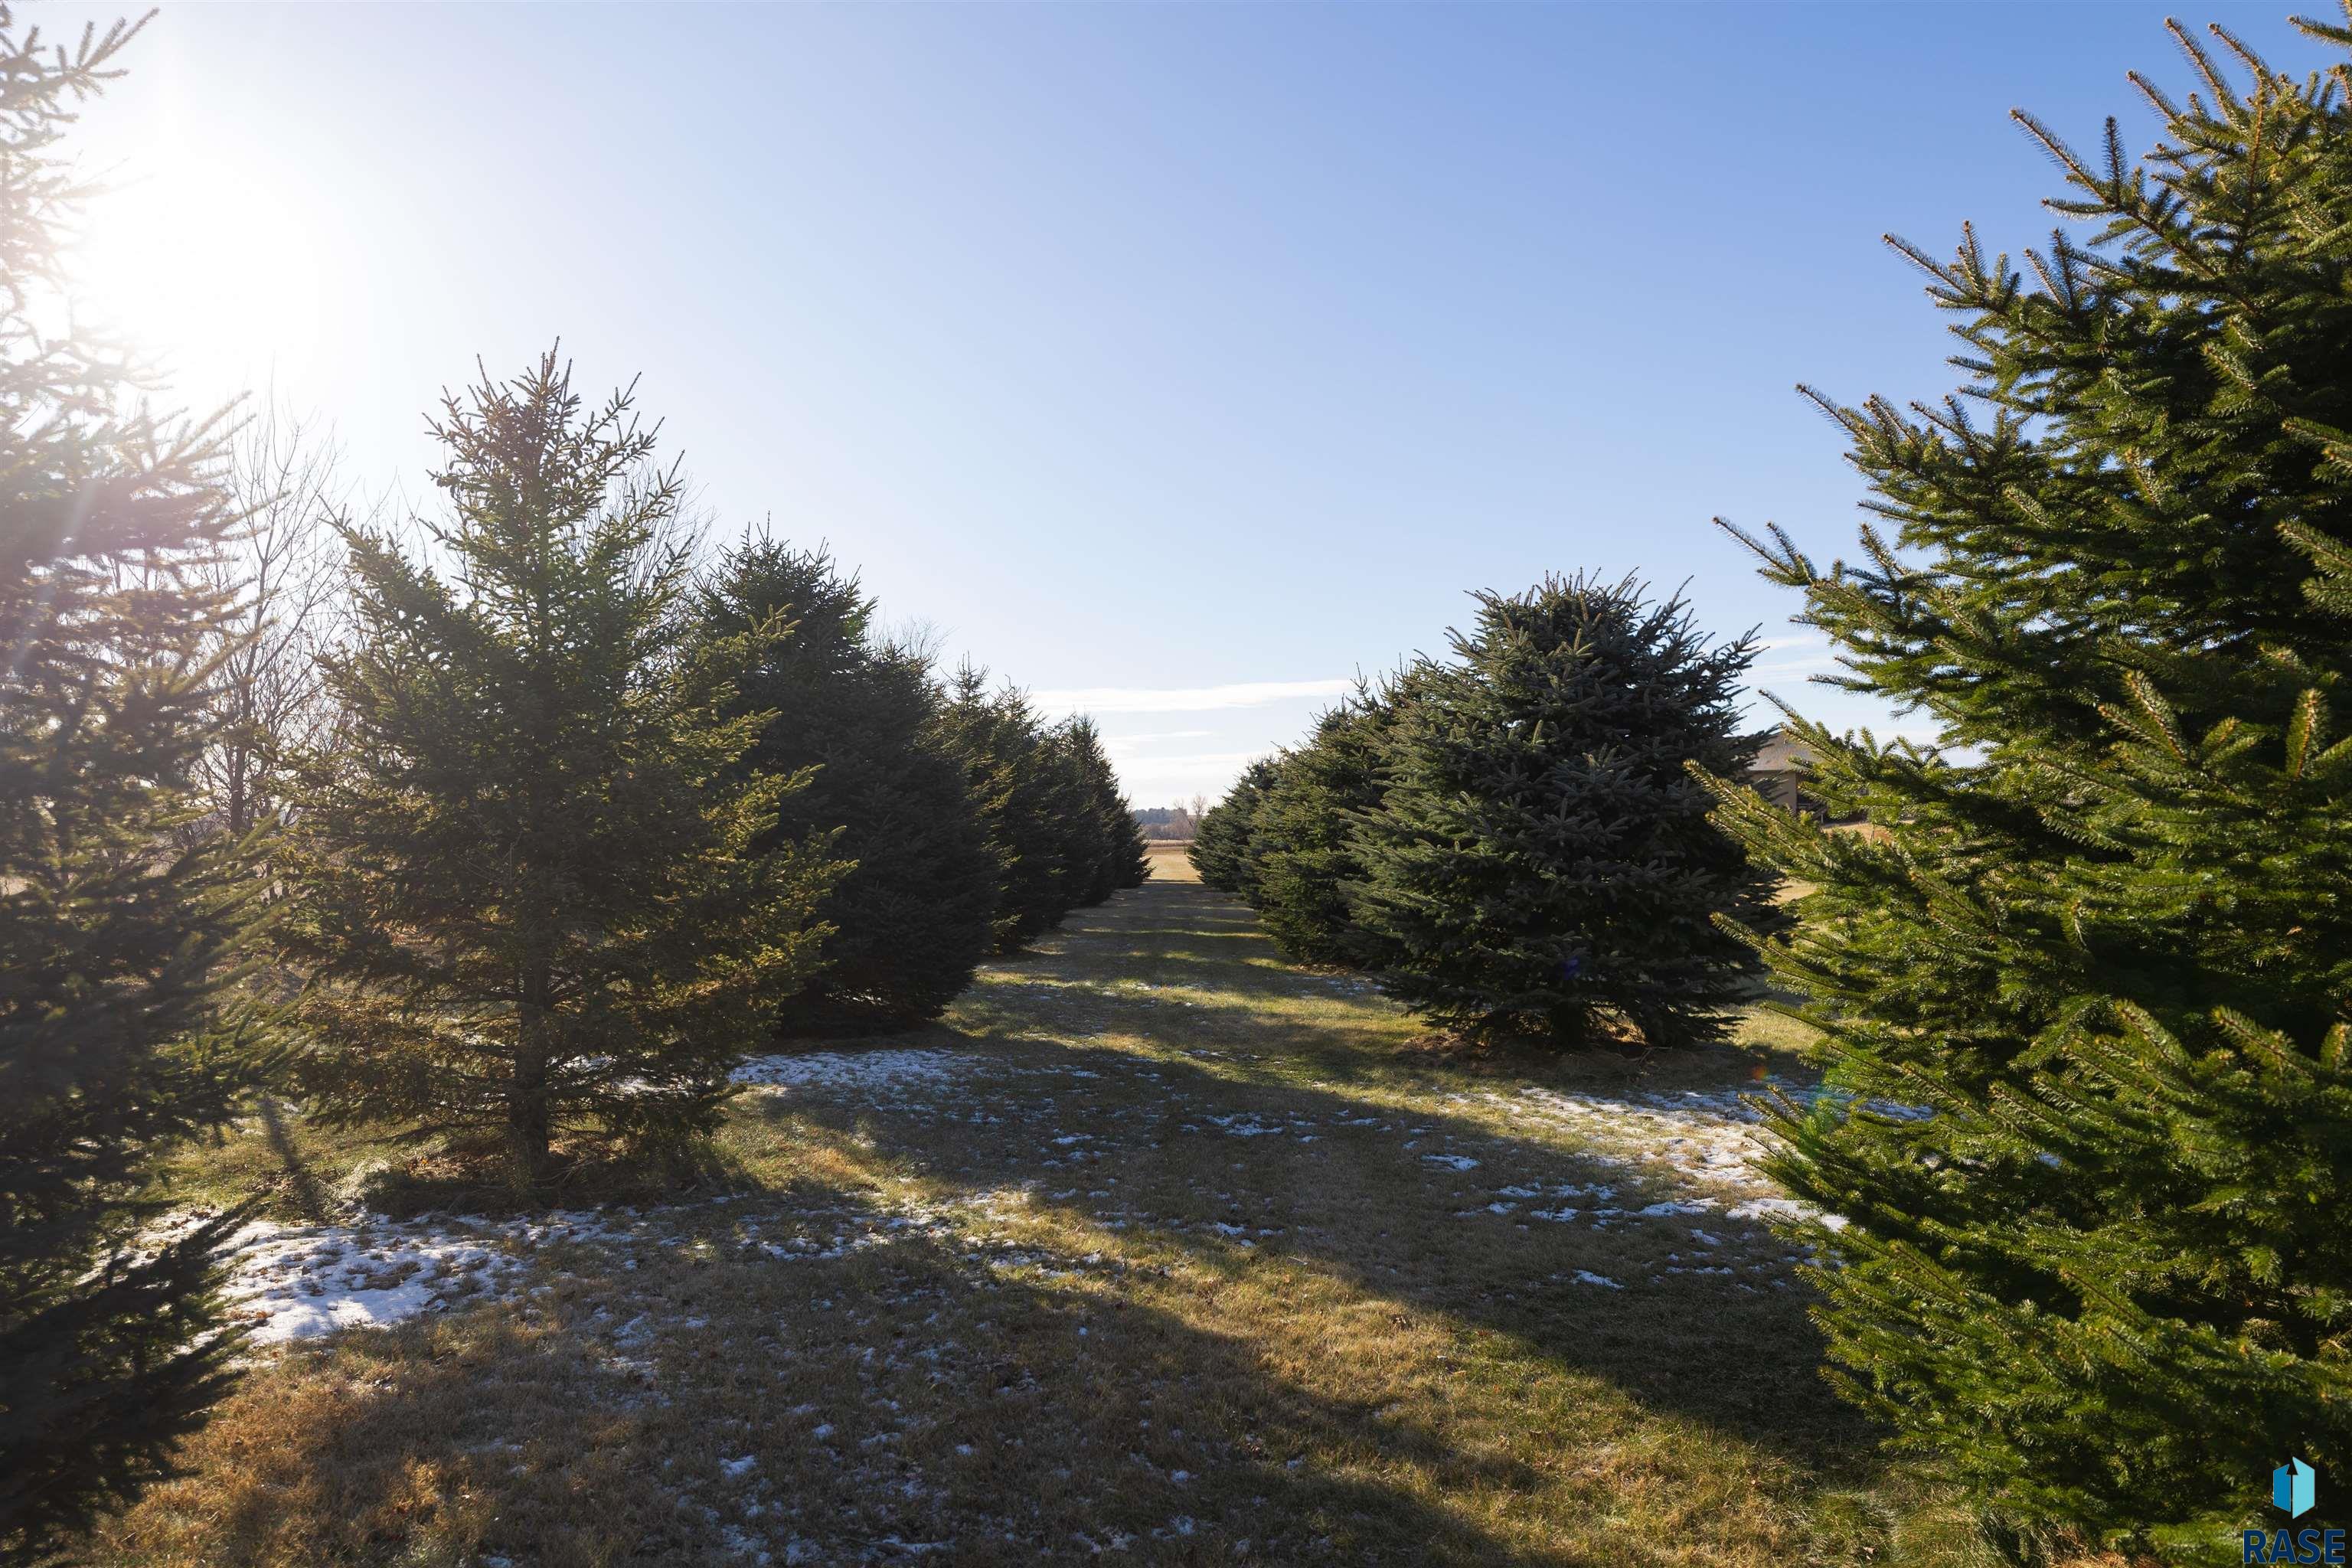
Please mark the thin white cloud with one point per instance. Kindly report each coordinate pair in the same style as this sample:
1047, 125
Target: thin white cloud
1200, 764
1155, 781
1122, 744
1819, 664
1182, 699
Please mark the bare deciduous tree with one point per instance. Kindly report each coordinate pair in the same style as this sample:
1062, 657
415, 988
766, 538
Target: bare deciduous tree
285, 571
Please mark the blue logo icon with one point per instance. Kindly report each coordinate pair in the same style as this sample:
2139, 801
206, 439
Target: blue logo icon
2293, 1489
2290, 1488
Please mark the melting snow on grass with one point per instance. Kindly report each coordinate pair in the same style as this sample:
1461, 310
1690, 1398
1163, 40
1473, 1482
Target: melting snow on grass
1710, 1138
855, 1070
1706, 1136
297, 1282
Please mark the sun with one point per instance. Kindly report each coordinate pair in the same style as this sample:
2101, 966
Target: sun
211, 267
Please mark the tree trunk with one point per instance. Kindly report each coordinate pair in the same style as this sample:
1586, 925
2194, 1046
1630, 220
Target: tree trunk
530, 1108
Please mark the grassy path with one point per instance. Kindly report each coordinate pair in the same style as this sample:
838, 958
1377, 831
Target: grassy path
1156, 1248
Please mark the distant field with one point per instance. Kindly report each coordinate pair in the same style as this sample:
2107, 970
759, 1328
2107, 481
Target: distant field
1171, 859
1157, 1248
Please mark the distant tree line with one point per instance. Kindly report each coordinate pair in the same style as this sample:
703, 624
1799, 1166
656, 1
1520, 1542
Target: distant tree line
516, 828
1512, 838
1165, 823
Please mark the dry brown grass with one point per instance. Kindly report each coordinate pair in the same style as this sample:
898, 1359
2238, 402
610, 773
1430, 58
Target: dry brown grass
1075, 1314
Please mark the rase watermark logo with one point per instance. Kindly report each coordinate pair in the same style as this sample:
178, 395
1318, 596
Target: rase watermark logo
2294, 1489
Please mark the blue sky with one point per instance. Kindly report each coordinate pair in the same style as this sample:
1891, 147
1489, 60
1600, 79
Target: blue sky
1174, 360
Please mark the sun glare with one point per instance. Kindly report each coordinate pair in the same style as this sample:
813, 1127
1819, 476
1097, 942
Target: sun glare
212, 270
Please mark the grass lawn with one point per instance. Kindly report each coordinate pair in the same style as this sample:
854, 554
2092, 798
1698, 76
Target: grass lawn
1157, 1248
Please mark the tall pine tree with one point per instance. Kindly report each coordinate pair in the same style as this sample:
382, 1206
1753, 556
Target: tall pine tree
1224, 846
529, 899
122, 917
1104, 824
1026, 796
2107, 1281
913, 917
1308, 820
1542, 863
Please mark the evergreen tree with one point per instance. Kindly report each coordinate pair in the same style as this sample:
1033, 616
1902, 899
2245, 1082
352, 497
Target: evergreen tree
1071, 750
529, 899
1222, 848
2107, 1279
1106, 828
1025, 795
913, 917
1542, 862
122, 917
1130, 851
1307, 822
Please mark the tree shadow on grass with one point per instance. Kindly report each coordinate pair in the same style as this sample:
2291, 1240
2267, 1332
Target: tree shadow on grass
305, 1192
1334, 1178
1368, 1205
907, 1395
1028, 1409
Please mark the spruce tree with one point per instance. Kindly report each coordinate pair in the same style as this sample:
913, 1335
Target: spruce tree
1130, 851
1104, 825
123, 916
1071, 748
1542, 863
529, 901
1222, 848
2100, 1272
1018, 779
1307, 825
913, 916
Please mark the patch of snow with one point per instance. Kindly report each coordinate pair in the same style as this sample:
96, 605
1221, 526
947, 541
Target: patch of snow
1240, 1126
297, 1282
1586, 1277
743, 1544
1452, 1161
857, 1071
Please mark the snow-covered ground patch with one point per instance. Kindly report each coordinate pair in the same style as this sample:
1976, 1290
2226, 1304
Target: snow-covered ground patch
297, 1282
1712, 1139
866, 1071
1710, 1136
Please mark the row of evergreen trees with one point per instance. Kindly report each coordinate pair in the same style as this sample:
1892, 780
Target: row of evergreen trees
580, 822
594, 824
2104, 1283
1512, 838
971, 825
